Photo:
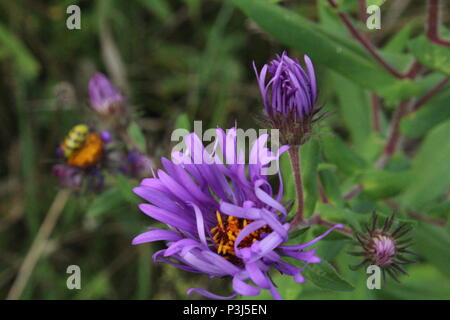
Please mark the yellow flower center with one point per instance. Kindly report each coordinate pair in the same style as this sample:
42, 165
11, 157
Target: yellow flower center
225, 234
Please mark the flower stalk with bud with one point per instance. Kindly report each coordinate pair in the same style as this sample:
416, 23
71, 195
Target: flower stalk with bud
289, 95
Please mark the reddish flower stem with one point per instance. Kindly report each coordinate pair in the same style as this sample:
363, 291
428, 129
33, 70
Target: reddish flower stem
366, 44
419, 216
322, 193
400, 112
433, 19
362, 7
425, 98
353, 192
294, 155
376, 112
394, 135
317, 219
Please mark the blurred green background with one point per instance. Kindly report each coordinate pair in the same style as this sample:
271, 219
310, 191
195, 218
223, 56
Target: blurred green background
179, 61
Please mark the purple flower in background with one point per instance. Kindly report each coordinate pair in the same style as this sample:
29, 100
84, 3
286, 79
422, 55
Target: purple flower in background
106, 136
68, 176
224, 219
289, 97
384, 247
137, 164
105, 98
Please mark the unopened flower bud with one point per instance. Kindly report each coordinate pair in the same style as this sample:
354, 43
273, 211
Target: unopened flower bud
385, 247
105, 98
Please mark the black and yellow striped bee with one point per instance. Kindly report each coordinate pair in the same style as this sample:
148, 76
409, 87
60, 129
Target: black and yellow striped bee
74, 139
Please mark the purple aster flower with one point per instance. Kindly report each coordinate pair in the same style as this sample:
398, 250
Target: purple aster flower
106, 136
137, 165
384, 248
105, 98
69, 177
225, 220
289, 97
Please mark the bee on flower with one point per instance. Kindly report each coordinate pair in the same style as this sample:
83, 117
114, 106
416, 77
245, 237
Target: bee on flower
83, 151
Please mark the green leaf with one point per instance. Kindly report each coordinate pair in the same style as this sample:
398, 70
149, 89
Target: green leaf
296, 236
431, 169
138, 137
125, 186
160, 8
354, 108
380, 184
183, 122
325, 276
337, 152
375, 2
12, 47
399, 40
96, 287
331, 186
108, 201
341, 215
433, 243
431, 54
440, 210
423, 283
300, 33
309, 161
417, 124
288, 179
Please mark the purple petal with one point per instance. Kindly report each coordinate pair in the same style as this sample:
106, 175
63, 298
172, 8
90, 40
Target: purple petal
221, 262
257, 276
179, 245
210, 295
243, 288
312, 76
267, 199
236, 211
159, 199
156, 235
303, 246
200, 224
245, 232
167, 217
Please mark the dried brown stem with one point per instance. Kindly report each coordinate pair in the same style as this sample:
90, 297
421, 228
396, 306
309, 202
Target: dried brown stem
38, 246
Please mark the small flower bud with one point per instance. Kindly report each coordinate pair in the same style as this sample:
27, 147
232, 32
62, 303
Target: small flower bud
383, 247
105, 98
289, 98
